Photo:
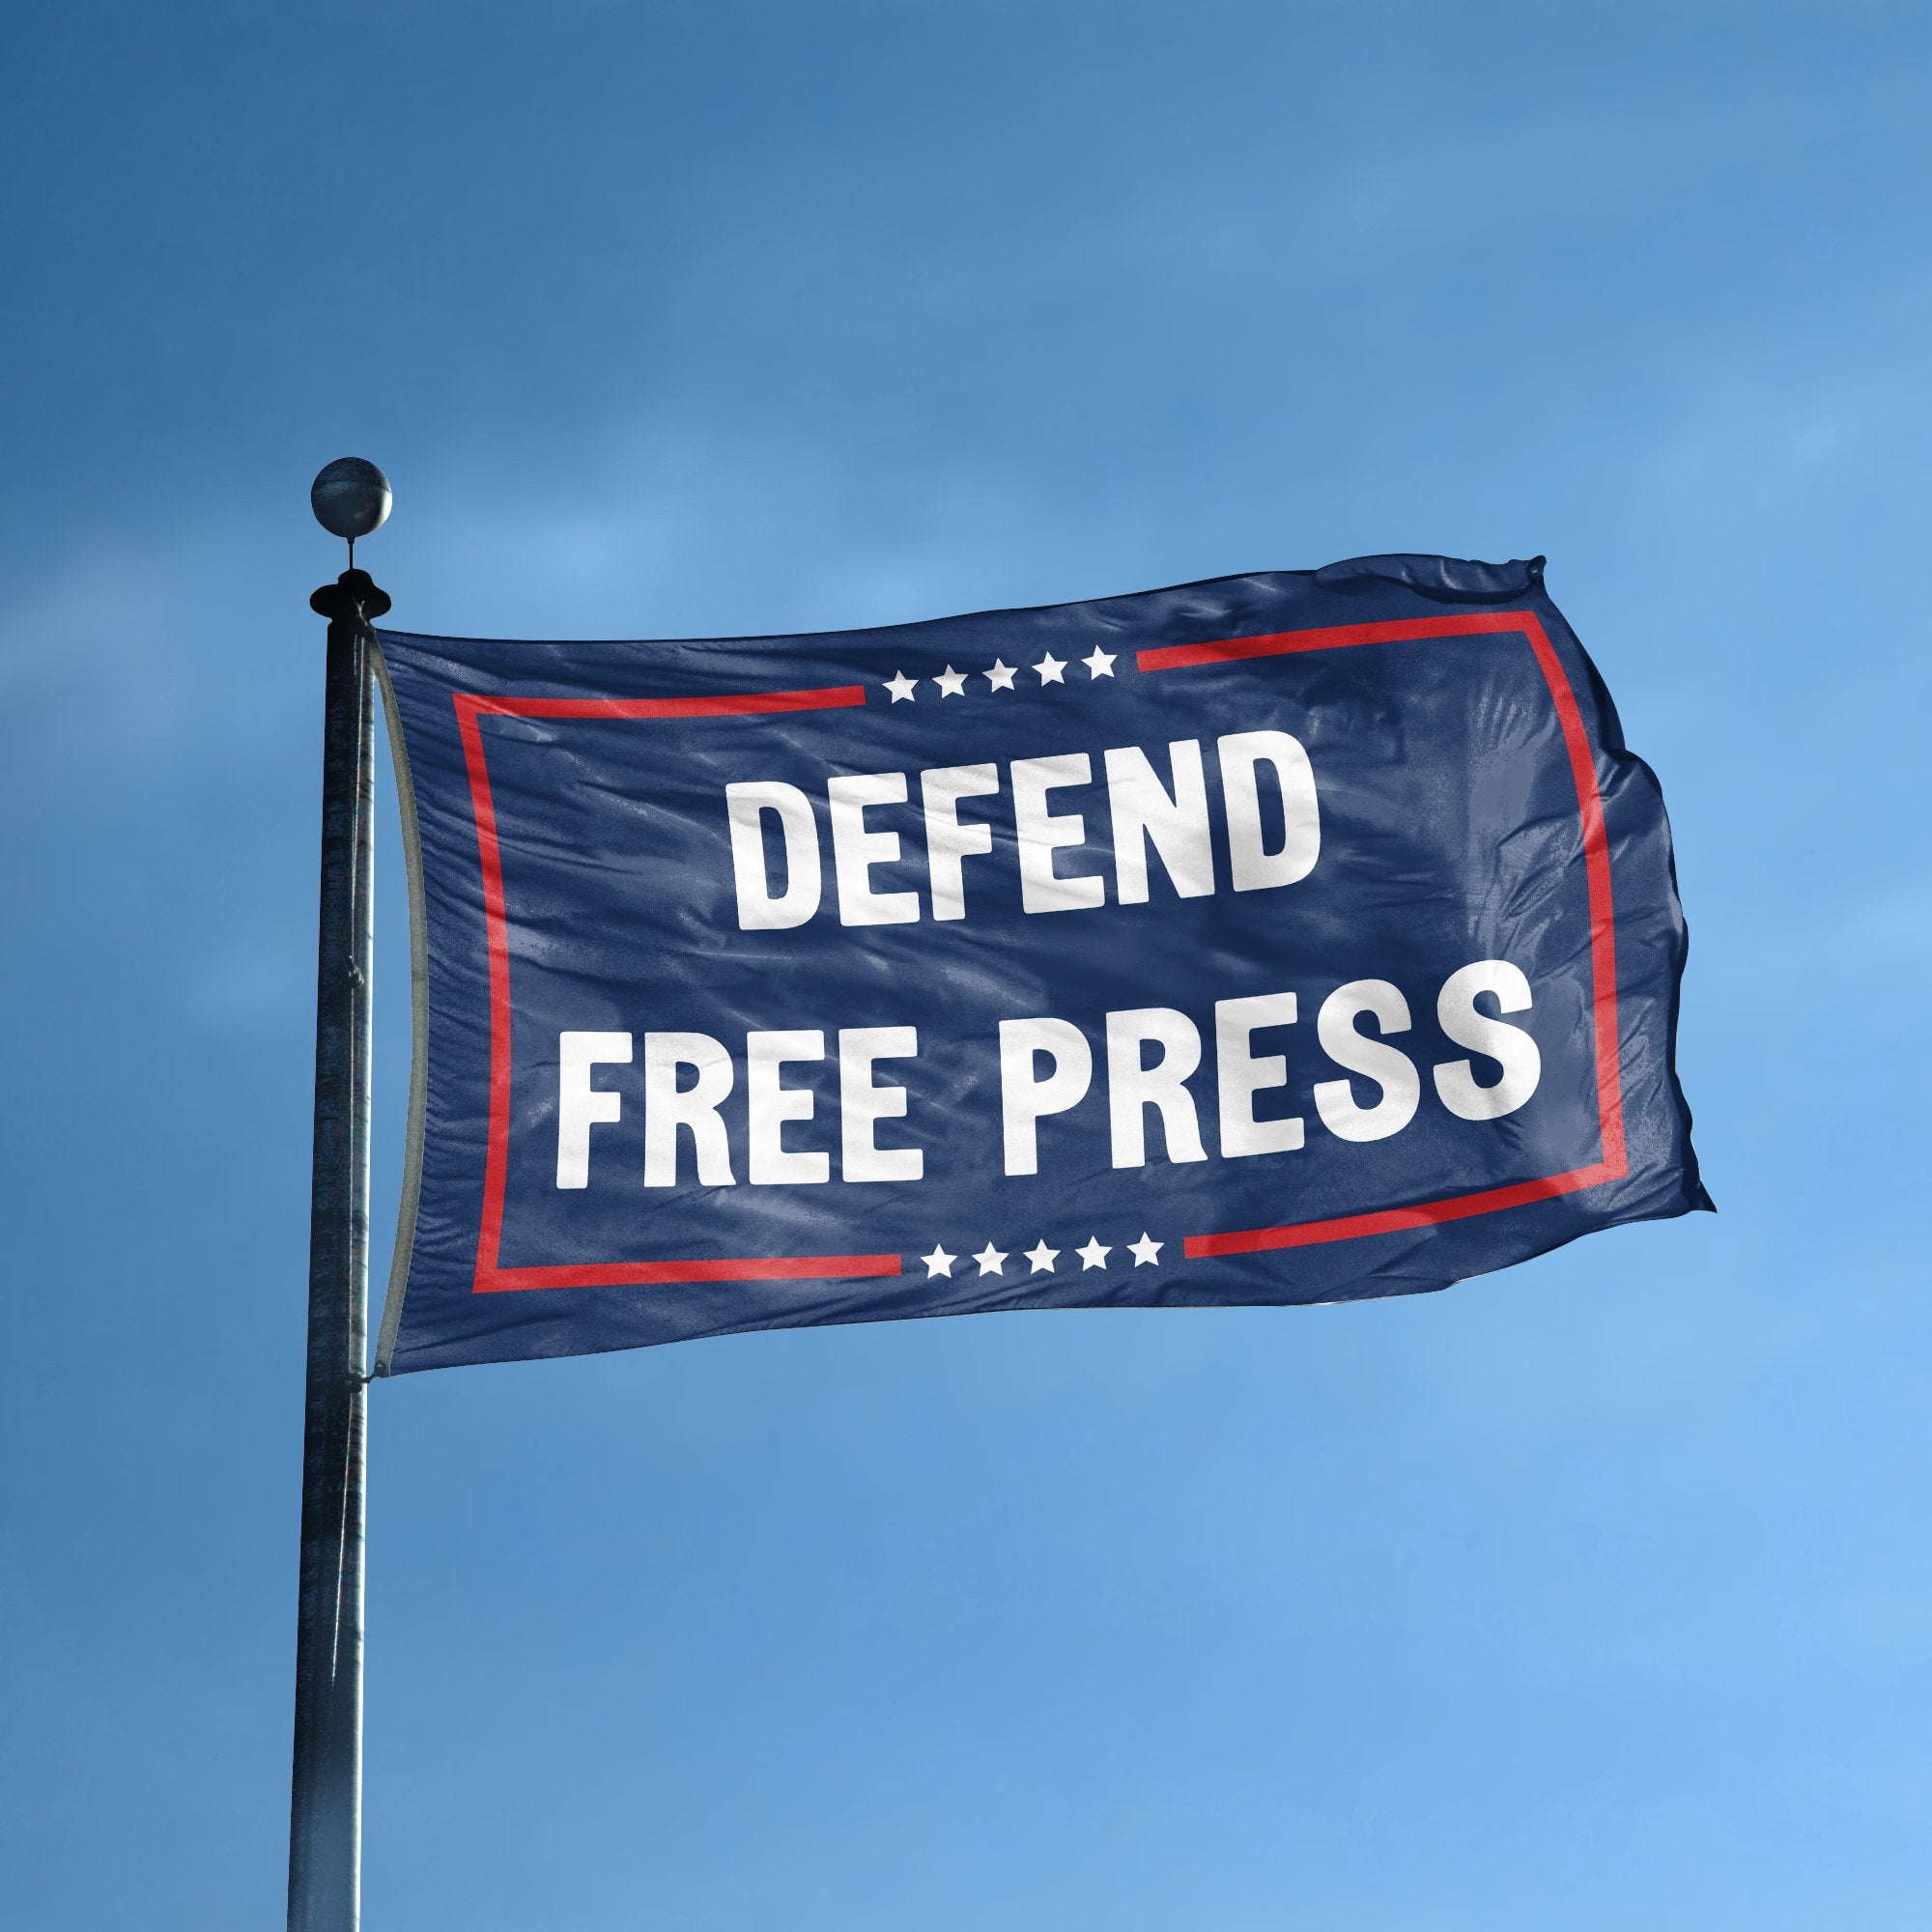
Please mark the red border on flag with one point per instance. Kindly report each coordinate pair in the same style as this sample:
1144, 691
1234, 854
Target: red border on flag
1615, 1163
471, 706
490, 1277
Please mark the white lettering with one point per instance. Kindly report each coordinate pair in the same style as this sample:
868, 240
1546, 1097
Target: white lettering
1132, 1088
1241, 1073
946, 841
855, 851
861, 1105
1510, 1047
1025, 1101
665, 1109
1041, 833
769, 1105
1387, 1067
744, 805
580, 1106
1143, 814
1254, 867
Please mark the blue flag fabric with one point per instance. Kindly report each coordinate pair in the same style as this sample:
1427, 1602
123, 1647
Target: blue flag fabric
1299, 937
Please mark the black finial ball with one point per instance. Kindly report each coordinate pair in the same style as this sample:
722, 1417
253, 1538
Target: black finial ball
349, 496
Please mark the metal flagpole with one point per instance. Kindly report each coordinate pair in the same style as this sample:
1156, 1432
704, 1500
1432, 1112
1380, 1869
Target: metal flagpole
351, 498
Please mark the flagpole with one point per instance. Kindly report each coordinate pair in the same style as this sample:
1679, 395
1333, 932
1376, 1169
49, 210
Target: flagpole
351, 498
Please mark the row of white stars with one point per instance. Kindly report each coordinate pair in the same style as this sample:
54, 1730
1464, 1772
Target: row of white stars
1146, 1253
952, 682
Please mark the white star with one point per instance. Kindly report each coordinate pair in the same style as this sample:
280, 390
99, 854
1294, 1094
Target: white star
1093, 1255
952, 682
1001, 676
938, 1261
991, 1261
1100, 663
1042, 1257
901, 687
1144, 1251
1049, 669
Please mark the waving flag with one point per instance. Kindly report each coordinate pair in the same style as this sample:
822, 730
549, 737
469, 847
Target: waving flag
1299, 937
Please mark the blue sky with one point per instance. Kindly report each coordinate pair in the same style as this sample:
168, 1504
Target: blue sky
1591, 1594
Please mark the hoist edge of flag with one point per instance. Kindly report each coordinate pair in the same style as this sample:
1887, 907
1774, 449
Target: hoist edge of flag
411, 1193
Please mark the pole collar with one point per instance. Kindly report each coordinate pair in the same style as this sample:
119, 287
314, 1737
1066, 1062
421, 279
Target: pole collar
354, 598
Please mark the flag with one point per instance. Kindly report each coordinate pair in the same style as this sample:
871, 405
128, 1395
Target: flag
1298, 937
